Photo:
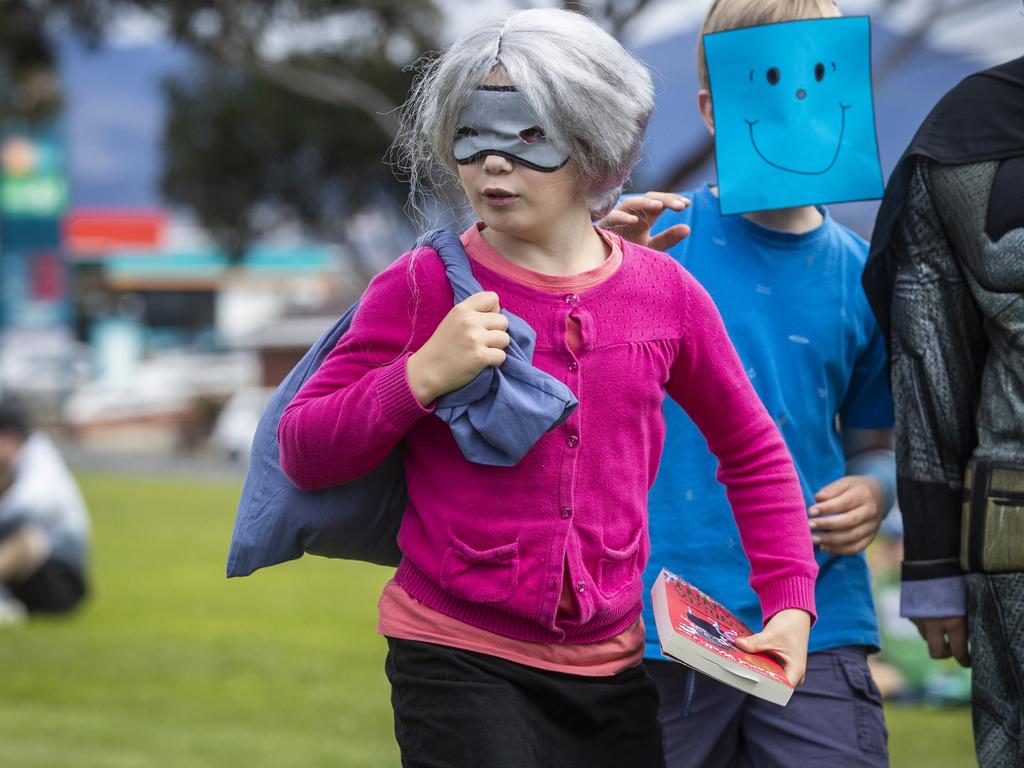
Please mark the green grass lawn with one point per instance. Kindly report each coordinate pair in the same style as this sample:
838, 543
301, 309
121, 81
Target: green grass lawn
170, 664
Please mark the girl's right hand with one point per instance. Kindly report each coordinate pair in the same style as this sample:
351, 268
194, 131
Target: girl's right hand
785, 635
472, 336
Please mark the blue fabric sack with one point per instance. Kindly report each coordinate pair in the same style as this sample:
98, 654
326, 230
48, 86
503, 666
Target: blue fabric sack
495, 419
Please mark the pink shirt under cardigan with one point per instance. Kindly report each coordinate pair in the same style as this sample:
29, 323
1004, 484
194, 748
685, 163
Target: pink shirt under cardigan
488, 545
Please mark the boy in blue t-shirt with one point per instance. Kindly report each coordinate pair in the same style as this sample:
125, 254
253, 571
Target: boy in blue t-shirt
787, 283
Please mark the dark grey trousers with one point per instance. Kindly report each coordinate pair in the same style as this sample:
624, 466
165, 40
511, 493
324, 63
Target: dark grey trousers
995, 628
834, 719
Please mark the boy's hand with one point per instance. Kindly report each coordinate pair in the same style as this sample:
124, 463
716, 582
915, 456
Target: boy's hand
785, 636
846, 514
633, 217
472, 336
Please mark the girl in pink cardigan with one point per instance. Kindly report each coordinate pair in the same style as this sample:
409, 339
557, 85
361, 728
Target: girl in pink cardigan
513, 621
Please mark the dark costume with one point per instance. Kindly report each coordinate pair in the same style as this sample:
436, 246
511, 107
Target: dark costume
945, 278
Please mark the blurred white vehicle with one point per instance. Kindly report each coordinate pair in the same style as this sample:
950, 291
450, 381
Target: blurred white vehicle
236, 424
156, 405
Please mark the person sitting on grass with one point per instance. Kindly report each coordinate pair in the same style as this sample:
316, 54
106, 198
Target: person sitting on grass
44, 525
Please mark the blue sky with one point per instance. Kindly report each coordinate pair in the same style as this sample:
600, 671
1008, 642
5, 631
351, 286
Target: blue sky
114, 120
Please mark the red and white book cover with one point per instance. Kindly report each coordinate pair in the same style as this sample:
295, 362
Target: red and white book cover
698, 631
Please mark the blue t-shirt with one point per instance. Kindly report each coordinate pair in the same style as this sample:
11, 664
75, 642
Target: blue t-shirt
795, 310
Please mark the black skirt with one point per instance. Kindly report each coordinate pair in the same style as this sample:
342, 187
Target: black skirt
456, 708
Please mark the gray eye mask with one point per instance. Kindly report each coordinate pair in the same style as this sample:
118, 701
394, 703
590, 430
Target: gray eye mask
498, 120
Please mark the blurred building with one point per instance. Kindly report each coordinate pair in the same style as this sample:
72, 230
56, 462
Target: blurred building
171, 323
38, 356
118, 317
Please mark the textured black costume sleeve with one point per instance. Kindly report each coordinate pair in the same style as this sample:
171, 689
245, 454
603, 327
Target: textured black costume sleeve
937, 351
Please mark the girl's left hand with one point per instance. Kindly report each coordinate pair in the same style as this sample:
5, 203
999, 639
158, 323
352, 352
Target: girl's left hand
785, 636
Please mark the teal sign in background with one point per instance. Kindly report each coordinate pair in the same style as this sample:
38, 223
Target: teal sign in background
794, 118
32, 179
33, 198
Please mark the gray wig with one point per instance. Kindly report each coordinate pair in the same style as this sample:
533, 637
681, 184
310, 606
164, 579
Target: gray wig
585, 88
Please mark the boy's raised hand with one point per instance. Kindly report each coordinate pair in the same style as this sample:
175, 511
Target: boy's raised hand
634, 216
785, 636
847, 514
472, 336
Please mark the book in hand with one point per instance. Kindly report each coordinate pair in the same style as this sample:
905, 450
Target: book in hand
698, 631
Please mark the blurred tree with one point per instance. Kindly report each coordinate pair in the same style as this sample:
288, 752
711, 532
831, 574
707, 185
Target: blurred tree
290, 114
260, 38
28, 84
247, 156
287, 117
614, 15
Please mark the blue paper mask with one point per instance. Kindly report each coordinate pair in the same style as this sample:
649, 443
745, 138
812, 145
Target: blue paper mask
794, 120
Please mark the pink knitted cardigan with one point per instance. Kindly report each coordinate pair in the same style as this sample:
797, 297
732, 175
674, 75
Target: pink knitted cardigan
489, 545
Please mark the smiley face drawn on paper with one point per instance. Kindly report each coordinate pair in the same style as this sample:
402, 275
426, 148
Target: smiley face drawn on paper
794, 121
774, 77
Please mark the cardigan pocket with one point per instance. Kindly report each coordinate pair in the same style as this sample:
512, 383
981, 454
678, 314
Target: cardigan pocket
617, 569
480, 575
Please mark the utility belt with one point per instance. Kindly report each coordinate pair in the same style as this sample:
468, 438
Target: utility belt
992, 532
